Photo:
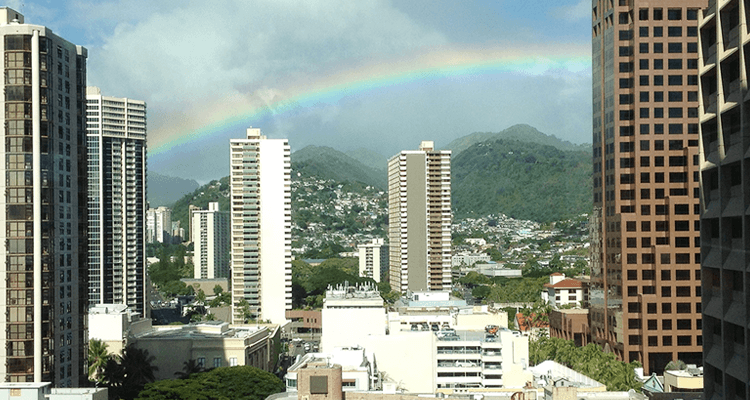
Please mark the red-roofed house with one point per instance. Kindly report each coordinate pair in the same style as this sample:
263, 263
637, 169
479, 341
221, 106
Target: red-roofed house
561, 291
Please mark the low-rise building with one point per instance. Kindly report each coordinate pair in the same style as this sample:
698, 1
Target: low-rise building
562, 291
570, 324
468, 259
211, 344
351, 313
113, 324
45, 391
358, 368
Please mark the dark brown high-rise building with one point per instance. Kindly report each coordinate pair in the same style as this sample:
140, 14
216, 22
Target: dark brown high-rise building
645, 299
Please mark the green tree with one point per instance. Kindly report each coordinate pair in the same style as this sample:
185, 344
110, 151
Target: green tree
220, 383
98, 357
126, 375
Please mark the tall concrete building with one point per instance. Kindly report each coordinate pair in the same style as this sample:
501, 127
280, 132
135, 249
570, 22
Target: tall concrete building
159, 225
645, 284
725, 184
373, 259
419, 219
116, 141
261, 218
44, 260
210, 233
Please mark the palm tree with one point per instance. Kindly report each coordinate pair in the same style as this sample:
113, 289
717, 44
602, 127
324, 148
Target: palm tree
98, 357
189, 367
126, 375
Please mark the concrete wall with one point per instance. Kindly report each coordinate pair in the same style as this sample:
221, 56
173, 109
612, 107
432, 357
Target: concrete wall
397, 356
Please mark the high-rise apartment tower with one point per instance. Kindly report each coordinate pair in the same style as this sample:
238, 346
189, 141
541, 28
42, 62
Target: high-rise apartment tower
373, 259
261, 219
116, 141
645, 285
43, 262
159, 225
725, 184
210, 233
419, 219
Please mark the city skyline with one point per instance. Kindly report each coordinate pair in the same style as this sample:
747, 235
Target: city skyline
436, 69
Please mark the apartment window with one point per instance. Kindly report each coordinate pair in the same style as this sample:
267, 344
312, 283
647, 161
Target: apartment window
658, 81
674, 31
675, 112
658, 31
626, 66
201, 362
692, 63
658, 112
643, 64
233, 361
692, 80
692, 47
643, 48
644, 112
674, 63
659, 96
658, 14
674, 96
658, 48
643, 96
643, 31
692, 14
658, 63
675, 80
626, 51
646, 210
217, 362
658, 161
645, 226
645, 194
644, 128
644, 144
626, 34
674, 14
643, 16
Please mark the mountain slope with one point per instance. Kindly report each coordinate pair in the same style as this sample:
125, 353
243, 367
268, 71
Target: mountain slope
520, 132
522, 180
164, 190
327, 163
370, 158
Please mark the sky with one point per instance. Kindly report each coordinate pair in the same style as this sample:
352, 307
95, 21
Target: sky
376, 74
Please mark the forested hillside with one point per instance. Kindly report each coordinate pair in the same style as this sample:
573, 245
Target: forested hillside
522, 180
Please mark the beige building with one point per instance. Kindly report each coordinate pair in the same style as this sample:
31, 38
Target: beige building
419, 219
645, 294
211, 344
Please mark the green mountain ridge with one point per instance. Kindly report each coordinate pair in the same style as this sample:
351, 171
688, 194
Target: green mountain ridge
328, 163
522, 180
520, 132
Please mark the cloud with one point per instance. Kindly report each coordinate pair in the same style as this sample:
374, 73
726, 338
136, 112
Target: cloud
574, 12
193, 56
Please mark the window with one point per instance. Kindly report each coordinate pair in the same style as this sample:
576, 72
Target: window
658, 81
674, 63
658, 48
675, 112
201, 362
692, 14
233, 361
643, 16
644, 112
643, 80
626, 35
643, 48
643, 31
658, 14
674, 14
674, 47
674, 31
658, 112
659, 64
217, 362
692, 31
658, 31
674, 96
643, 64
643, 96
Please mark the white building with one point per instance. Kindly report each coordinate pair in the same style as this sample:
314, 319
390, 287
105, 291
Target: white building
210, 233
159, 225
116, 140
469, 259
419, 219
373, 259
261, 258
358, 368
113, 324
562, 291
359, 308
44, 291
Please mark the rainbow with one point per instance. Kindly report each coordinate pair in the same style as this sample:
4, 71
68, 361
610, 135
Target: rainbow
237, 112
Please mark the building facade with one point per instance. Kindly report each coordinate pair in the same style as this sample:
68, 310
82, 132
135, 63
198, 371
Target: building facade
725, 174
419, 219
373, 259
210, 233
261, 257
116, 142
645, 283
159, 225
44, 261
